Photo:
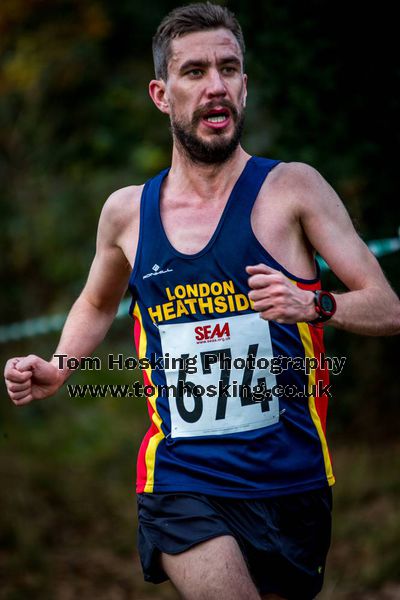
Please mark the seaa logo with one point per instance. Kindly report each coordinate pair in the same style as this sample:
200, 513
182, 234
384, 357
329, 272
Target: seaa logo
208, 333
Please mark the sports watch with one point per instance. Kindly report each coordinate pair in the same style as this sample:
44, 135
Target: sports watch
325, 306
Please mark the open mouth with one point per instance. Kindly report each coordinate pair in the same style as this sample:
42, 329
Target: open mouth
217, 117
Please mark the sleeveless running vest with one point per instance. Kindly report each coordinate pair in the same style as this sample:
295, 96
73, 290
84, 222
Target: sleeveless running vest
242, 416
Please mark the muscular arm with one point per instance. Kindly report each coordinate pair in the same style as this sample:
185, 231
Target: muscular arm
93, 312
370, 307
31, 377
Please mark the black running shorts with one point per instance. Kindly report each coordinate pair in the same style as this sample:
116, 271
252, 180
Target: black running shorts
284, 539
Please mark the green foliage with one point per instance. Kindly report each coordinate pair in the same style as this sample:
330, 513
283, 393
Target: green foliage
76, 123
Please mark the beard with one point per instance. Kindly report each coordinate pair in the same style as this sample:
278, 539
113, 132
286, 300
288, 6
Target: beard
215, 151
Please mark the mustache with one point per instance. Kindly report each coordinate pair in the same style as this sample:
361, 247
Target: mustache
203, 110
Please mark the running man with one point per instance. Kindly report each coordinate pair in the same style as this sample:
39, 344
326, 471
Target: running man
234, 475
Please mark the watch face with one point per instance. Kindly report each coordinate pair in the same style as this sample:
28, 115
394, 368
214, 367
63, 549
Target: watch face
326, 303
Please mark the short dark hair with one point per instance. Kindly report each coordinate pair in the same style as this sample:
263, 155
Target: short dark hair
189, 19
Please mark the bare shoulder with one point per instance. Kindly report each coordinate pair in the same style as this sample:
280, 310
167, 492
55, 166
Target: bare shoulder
291, 191
119, 221
298, 179
121, 206
120, 210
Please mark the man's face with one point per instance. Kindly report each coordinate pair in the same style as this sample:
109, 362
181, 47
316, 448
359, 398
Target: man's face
205, 93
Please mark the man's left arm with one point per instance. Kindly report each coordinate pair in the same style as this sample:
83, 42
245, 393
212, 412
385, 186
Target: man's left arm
370, 307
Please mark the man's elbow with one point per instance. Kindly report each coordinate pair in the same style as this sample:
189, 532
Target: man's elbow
392, 324
396, 324
102, 305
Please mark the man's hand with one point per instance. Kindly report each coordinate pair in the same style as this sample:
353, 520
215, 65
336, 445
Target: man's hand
276, 298
31, 378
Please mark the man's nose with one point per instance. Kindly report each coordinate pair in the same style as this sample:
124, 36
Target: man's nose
215, 84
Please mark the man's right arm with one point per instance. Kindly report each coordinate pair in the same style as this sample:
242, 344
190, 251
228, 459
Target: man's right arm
31, 377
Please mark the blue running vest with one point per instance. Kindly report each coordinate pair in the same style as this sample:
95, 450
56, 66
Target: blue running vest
233, 424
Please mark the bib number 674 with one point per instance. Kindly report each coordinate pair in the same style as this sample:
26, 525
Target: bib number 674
248, 392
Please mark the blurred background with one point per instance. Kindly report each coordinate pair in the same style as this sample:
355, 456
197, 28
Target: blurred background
76, 123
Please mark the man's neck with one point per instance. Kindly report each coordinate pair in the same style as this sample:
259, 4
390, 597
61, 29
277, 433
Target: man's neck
204, 181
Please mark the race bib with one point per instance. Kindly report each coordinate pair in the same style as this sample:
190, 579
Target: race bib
230, 390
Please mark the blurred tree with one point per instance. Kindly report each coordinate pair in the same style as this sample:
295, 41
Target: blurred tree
76, 123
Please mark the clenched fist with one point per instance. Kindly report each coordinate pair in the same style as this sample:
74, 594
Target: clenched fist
276, 298
31, 378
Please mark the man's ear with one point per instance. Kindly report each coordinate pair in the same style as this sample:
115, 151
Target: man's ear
245, 89
157, 91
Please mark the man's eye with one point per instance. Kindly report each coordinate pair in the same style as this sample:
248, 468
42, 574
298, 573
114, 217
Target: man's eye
228, 70
195, 72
